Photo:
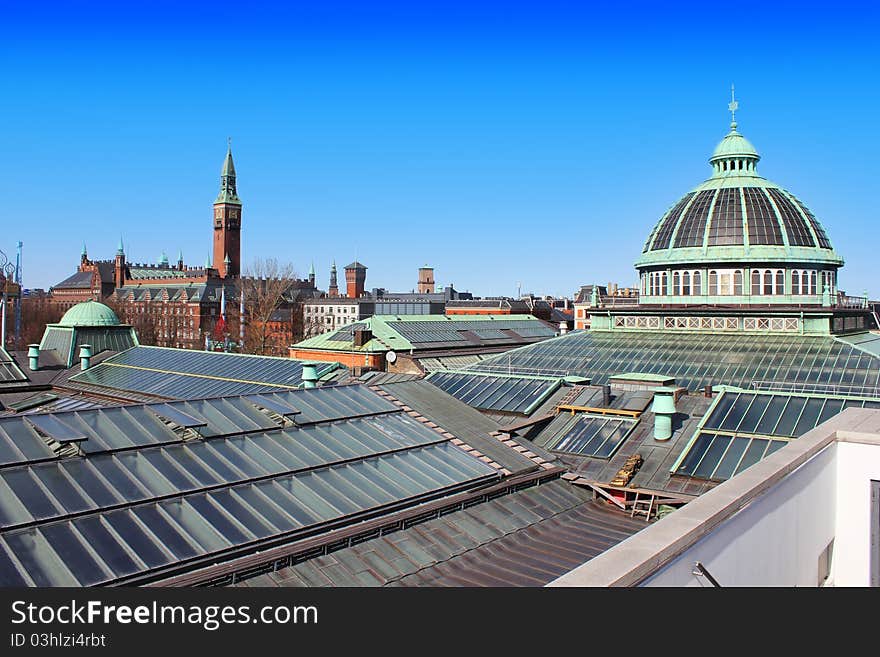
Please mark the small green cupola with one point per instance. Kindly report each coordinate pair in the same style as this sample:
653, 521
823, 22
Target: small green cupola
228, 193
735, 155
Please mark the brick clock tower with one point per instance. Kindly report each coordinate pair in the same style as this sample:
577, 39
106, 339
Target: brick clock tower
227, 223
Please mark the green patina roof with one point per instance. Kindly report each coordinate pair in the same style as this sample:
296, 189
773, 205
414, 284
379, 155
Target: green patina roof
89, 313
734, 145
228, 193
386, 337
737, 238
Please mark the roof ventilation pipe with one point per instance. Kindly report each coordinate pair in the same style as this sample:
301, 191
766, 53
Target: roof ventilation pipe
309, 375
606, 396
85, 356
563, 327
663, 409
34, 357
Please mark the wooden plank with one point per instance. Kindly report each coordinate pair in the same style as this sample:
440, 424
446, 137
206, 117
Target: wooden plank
601, 411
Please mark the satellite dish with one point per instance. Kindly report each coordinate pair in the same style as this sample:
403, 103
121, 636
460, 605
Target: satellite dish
391, 356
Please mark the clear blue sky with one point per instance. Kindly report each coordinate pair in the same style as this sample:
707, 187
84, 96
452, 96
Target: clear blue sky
499, 142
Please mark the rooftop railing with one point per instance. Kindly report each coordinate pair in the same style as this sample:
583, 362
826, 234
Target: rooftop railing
839, 389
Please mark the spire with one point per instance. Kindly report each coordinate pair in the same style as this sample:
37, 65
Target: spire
732, 106
120, 250
228, 165
312, 269
208, 262
179, 255
228, 192
84, 252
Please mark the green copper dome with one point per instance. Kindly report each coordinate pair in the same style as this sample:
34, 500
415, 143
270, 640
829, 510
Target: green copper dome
89, 313
734, 145
737, 216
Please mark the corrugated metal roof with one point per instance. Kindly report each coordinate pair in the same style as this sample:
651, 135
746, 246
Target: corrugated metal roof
525, 538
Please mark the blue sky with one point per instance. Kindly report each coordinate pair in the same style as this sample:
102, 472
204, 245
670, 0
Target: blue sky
502, 143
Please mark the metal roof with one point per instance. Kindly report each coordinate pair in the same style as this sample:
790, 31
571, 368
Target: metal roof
463, 421
425, 332
511, 394
151, 496
697, 360
89, 313
525, 538
189, 374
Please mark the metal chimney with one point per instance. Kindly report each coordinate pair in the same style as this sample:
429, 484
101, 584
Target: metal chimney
606, 396
663, 409
34, 357
85, 356
309, 375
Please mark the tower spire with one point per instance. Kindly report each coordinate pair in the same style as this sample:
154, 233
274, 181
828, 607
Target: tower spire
732, 106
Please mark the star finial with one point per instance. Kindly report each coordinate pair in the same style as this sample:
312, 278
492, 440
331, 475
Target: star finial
732, 106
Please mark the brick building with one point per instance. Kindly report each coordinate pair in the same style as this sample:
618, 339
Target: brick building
177, 304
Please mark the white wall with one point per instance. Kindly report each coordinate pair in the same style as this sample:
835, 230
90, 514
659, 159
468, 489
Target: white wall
857, 465
774, 541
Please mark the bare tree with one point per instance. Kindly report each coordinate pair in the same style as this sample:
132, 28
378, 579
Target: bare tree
265, 286
35, 314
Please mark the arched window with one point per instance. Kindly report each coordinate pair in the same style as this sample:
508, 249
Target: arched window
812, 282
756, 282
686, 283
663, 288
676, 283
780, 282
698, 283
768, 282
738, 282
795, 282
713, 282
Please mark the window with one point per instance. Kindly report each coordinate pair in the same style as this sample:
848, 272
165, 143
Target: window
768, 282
698, 286
686, 283
738, 282
663, 288
795, 282
812, 282
676, 283
713, 282
780, 282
